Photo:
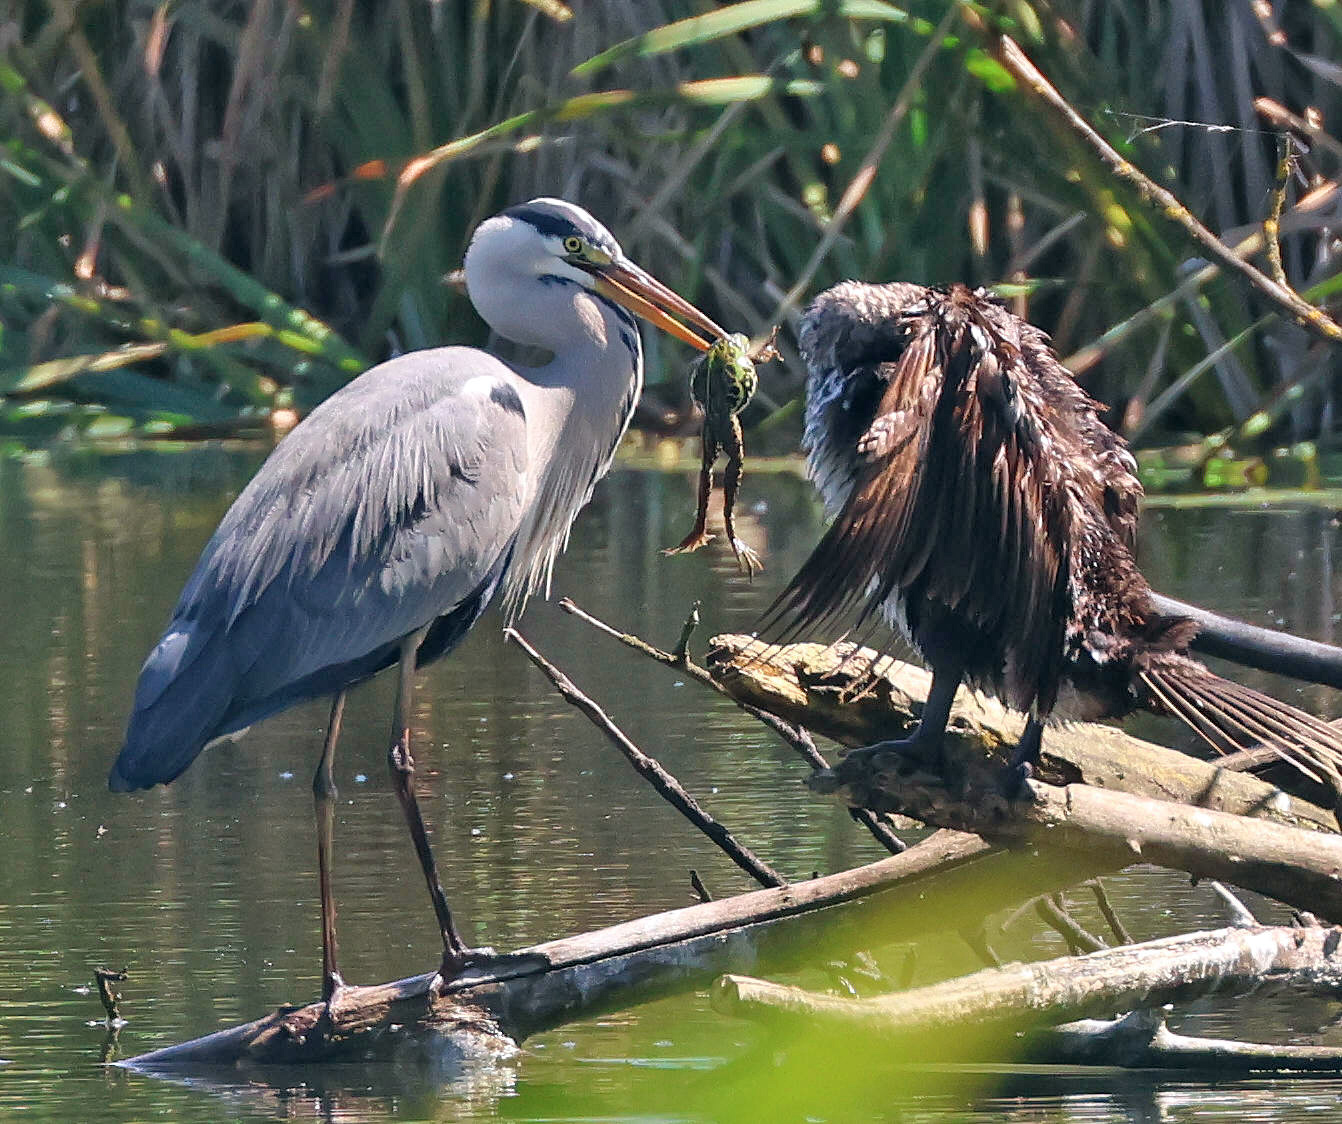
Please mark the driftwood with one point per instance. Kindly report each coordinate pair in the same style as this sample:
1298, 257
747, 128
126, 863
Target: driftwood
953, 878
1020, 997
947, 876
1114, 799
1298, 867
830, 689
1143, 1040
1175, 810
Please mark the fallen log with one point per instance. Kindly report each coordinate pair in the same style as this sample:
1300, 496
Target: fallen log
1143, 1040
1019, 997
854, 696
1300, 867
948, 880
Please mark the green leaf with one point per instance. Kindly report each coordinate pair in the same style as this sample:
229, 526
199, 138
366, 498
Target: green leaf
989, 71
731, 20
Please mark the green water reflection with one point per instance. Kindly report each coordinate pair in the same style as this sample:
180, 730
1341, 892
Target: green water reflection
206, 890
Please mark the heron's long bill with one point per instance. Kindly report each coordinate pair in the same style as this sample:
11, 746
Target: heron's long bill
644, 295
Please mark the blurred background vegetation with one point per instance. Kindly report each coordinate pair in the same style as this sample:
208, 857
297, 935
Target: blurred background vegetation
213, 213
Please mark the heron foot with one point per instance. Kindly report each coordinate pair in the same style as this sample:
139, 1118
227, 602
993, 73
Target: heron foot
333, 988
332, 982
477, 965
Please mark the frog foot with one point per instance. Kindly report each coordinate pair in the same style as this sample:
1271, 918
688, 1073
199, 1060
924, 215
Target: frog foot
747, 559
692, 542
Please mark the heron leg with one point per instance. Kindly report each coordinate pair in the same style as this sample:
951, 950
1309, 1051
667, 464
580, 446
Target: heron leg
455, 953
324, 795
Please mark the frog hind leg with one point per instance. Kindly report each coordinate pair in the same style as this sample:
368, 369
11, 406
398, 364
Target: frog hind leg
699, 536
746, 558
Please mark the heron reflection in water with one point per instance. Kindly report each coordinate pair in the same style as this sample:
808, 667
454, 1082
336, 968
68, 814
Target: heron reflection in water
380, 529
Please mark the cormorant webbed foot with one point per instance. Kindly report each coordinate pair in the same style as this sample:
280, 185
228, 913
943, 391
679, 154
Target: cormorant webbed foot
1022, 767
918, 751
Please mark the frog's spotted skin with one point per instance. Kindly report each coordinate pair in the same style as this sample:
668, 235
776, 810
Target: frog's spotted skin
722, 382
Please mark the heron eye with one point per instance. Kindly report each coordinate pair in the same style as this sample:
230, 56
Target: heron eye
573, 244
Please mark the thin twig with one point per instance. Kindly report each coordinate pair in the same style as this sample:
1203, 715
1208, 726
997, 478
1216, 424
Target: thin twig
1279, 116
1313, 319
977, 939
1272, 224
1240, 914
682, 653
647, 767
795, 736
1053, 912
1116, 926
697, 885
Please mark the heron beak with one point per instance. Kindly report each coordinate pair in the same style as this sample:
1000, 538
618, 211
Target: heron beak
637, 290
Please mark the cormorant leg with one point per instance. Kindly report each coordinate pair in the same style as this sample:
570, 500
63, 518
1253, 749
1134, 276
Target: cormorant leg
1031, 741
455, 953
924, 745
1025, 758
323, 798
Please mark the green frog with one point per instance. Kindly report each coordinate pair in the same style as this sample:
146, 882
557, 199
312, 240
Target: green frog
722, 383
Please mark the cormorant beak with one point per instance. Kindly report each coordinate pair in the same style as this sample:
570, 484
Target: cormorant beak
637, 290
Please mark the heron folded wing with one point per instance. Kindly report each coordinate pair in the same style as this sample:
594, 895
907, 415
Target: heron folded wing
397, 502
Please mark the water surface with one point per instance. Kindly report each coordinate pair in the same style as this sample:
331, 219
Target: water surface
205, 890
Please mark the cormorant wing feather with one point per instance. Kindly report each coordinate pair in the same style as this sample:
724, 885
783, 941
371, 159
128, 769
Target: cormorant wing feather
948, 503
1230, 717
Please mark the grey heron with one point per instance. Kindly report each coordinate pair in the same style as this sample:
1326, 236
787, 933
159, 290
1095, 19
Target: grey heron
380, 529
982, 508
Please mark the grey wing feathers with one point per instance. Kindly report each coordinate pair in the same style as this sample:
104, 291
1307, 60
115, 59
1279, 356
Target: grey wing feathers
395, 501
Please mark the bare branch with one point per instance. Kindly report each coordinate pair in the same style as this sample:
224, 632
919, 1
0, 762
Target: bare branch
1116, 926
1174, 969
1053, 912
1314, 319
795, 736
1239, 912
650, 770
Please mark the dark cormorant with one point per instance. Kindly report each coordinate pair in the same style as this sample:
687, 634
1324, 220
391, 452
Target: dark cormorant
986, 512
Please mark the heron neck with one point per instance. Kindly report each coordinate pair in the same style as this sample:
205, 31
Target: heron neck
578, 407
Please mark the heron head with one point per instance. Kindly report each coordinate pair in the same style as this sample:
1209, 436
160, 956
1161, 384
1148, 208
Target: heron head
551, 240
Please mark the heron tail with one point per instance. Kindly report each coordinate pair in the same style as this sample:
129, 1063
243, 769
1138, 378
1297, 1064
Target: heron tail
1231, 717
184, 692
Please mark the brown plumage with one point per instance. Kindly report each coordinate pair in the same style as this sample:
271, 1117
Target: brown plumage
983, 509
